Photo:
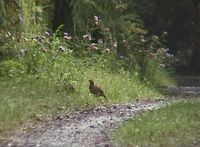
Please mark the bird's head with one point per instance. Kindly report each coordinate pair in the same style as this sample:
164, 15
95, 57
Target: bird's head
91, 82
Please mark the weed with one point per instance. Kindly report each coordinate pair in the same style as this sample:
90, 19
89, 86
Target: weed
65, 88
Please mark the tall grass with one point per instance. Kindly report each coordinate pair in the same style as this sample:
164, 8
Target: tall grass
156, 75
56, 69
43, 95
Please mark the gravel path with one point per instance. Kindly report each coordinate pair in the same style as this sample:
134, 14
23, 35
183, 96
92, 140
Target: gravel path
91, 128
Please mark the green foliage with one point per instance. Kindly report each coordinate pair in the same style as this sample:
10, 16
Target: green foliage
66, 88
138, 48
43, 52
146, 55
11, 68
7, 47
175, 125
28, 15
180, 22
155, 74
24, 16
105, 10
115, 23
111, 46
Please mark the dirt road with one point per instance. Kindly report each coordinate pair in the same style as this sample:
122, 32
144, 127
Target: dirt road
92, 128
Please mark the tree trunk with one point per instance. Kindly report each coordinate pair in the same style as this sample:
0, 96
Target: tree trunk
63, 16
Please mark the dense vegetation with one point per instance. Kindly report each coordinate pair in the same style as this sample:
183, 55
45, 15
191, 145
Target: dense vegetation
93, 28
50, 49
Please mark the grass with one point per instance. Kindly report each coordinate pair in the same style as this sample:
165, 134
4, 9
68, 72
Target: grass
175, 125
39, 96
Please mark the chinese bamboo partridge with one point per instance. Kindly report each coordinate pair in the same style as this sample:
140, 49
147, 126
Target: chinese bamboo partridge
97, 91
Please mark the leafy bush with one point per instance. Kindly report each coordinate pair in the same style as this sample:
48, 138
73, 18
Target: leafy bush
145, 54
7, 45
11, 68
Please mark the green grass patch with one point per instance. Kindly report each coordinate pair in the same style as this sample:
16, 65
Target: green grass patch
48, 94
174, 125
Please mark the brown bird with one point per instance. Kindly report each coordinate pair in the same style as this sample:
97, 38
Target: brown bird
97, 91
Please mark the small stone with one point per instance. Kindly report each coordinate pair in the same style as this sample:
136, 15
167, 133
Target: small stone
10, 144
92, 126
128, 106
77, 132
60, 117
114, 107
121, 113
103, 109
102, 145
96, 109
194, 142
103, 121
67, 115
110, 111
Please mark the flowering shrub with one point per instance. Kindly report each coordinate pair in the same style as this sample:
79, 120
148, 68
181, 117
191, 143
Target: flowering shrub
137, 51
41, 53
145, 54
